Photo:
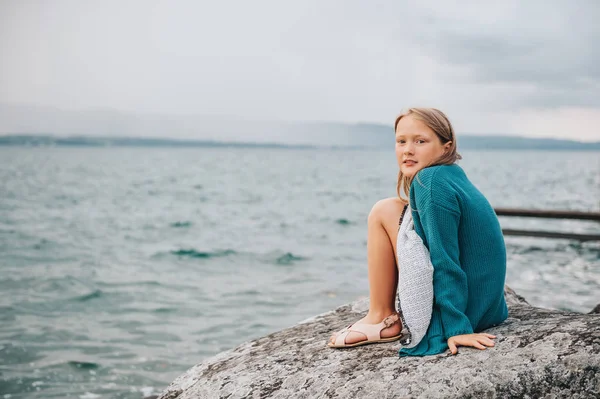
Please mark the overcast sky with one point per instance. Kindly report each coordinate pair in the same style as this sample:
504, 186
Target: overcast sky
509, 67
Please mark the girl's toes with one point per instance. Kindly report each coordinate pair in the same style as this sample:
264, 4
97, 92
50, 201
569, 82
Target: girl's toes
333, 338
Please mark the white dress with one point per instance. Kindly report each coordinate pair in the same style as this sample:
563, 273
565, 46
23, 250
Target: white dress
415, 282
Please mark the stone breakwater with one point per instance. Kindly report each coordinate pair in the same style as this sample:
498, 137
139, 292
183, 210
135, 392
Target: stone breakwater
538, 353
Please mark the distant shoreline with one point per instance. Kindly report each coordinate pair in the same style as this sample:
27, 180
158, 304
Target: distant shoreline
466, 142
80, 141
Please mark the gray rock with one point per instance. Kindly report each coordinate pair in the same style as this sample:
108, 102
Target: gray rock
539, 353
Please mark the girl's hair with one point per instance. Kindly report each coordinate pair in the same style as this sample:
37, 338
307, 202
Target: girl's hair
437, 121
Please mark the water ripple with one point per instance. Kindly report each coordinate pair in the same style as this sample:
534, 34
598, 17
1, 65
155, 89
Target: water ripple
192, 253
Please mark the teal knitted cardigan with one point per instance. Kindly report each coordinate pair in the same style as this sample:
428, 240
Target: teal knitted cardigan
465, 241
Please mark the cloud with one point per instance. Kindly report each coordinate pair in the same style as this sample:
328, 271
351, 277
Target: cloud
581, 124
484, 63
546, 52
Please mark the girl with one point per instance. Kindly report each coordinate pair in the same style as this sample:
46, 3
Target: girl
459, 228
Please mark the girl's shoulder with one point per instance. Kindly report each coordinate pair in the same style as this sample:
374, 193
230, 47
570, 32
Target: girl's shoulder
438, 175
440, 170
438, 185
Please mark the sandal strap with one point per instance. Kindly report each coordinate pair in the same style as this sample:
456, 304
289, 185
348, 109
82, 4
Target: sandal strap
391, 320
342, 333
340, 338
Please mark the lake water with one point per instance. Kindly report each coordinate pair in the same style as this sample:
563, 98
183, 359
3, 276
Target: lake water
120, 268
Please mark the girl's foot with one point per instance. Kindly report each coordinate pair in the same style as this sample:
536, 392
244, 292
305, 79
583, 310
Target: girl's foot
369, 329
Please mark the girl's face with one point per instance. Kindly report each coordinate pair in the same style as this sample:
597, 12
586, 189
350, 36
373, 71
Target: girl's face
417, 146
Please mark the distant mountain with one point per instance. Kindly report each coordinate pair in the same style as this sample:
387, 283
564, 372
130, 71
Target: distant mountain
47, 126
81, 141
466, 143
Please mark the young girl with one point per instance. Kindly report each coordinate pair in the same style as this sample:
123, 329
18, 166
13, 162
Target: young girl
459, 228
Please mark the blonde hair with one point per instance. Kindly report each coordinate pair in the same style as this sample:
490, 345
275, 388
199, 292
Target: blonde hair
437, 121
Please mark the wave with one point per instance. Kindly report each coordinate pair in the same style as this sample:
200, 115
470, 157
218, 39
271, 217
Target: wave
87, 297
181, 224
192, 253
276, 257
288, 259
83, 365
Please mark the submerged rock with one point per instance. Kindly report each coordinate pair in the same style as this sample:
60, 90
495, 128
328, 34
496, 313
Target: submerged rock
538, 353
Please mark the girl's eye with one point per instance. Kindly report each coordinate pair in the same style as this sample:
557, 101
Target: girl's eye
420, 141
400, 141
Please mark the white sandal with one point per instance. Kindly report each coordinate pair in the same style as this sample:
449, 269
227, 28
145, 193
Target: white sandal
371, 331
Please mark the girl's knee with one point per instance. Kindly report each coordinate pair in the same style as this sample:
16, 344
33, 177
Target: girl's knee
385, 210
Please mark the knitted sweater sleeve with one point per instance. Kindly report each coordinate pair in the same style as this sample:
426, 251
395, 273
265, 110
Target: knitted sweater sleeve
439, 214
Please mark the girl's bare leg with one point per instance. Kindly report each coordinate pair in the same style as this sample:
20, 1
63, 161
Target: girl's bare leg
383, 274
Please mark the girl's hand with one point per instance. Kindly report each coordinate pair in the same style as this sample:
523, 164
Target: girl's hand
479, 341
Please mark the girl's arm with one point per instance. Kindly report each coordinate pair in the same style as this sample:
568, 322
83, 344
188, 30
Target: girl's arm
439, 215
440, 227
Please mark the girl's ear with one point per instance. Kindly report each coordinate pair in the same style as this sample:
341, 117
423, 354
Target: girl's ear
447, 146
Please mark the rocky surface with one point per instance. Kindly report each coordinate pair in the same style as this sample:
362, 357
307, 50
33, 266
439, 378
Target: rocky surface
539, 353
